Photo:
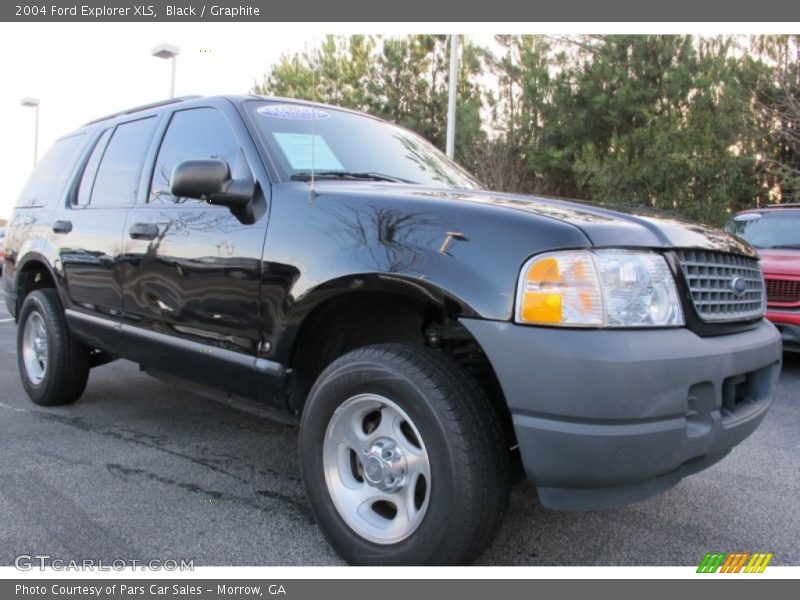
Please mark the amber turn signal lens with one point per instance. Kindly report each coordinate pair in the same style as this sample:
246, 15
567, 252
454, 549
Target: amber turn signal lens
560, 289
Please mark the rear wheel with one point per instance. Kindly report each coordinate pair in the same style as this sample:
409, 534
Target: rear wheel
53, 365
402, 458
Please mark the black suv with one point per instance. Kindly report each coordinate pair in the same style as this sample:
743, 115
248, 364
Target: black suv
433, 339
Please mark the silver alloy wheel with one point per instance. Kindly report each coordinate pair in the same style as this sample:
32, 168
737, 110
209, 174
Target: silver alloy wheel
376, 468
34, 348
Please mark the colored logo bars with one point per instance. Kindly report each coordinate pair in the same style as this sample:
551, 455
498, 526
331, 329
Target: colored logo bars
736, 562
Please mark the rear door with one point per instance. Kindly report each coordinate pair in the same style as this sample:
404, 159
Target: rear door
91, 228
192, 270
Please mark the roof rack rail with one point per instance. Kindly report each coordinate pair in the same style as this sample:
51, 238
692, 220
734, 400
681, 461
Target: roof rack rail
783, 205
136, 109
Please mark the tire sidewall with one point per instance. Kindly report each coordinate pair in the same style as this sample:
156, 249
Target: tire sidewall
370, 377
34, 304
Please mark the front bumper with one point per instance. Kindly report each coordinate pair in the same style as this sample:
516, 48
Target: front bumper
788, 323
604, 418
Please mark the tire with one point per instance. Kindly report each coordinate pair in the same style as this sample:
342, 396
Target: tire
61, 377
435, 414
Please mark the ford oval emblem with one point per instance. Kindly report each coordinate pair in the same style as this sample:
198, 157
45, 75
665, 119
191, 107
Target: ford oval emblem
739, 286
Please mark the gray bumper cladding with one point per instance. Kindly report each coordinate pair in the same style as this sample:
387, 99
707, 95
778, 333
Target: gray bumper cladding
604, 418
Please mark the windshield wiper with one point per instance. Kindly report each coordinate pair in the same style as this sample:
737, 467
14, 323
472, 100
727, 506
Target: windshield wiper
354, 176
784, 247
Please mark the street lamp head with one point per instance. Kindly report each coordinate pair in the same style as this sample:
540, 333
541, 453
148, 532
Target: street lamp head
31, 102
165, 51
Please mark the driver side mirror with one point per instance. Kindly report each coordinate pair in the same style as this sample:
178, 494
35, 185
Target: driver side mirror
211, 180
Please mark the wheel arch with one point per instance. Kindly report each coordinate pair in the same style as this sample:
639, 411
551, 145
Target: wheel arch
32, 273
373, 309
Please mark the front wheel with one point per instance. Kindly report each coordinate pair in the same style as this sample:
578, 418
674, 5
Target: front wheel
53, 365
403, 459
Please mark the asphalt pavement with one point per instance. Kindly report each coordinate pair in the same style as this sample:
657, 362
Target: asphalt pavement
139, 469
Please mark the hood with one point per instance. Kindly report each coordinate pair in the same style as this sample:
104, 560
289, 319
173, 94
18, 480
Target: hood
779, 261
604, 226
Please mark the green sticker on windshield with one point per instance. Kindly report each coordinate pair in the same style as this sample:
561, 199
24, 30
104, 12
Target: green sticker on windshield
298, 148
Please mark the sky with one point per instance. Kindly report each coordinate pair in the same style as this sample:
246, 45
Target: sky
87, 70
82, 71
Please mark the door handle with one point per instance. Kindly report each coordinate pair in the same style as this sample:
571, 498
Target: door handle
62, 226
143, 231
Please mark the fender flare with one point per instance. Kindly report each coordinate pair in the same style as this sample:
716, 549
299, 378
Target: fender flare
21, 268
291, 322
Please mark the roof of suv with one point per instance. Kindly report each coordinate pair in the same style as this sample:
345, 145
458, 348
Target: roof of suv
143, 107
232, 98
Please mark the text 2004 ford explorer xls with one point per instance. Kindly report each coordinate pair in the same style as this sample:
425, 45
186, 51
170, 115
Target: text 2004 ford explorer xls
430, 336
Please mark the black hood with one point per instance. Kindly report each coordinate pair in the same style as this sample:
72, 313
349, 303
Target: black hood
620, 226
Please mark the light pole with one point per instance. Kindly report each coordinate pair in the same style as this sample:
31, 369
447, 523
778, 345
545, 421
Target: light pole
166, 51
34, 103
451, 103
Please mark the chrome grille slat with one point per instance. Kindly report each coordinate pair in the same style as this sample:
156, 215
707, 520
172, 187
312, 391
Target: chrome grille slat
709, 275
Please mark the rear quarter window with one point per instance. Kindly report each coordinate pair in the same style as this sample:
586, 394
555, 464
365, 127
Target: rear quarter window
48, 176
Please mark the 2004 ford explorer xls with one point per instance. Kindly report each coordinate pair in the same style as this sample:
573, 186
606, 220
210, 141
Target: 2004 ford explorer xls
434, 340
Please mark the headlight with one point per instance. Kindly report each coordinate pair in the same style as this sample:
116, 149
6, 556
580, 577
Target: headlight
598, 288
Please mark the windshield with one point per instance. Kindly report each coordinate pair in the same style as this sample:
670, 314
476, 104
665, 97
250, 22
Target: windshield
340, 145
775, 229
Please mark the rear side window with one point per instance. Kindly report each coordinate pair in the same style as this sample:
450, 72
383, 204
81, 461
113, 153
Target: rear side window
116, 182
197, 133
43, 183
90, 170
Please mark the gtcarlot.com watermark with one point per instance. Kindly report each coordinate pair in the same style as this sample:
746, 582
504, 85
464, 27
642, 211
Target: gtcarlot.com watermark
30, 562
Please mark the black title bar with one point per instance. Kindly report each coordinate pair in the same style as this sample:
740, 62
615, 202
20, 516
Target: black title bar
444, 11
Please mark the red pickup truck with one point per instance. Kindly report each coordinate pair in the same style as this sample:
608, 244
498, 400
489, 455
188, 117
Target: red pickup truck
775, 232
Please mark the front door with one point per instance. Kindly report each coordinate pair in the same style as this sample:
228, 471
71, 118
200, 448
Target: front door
192, 270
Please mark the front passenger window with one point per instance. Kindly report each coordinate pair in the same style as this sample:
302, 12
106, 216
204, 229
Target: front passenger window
196, 133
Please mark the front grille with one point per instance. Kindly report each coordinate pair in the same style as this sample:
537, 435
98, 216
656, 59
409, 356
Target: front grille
785, 291
711, 277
